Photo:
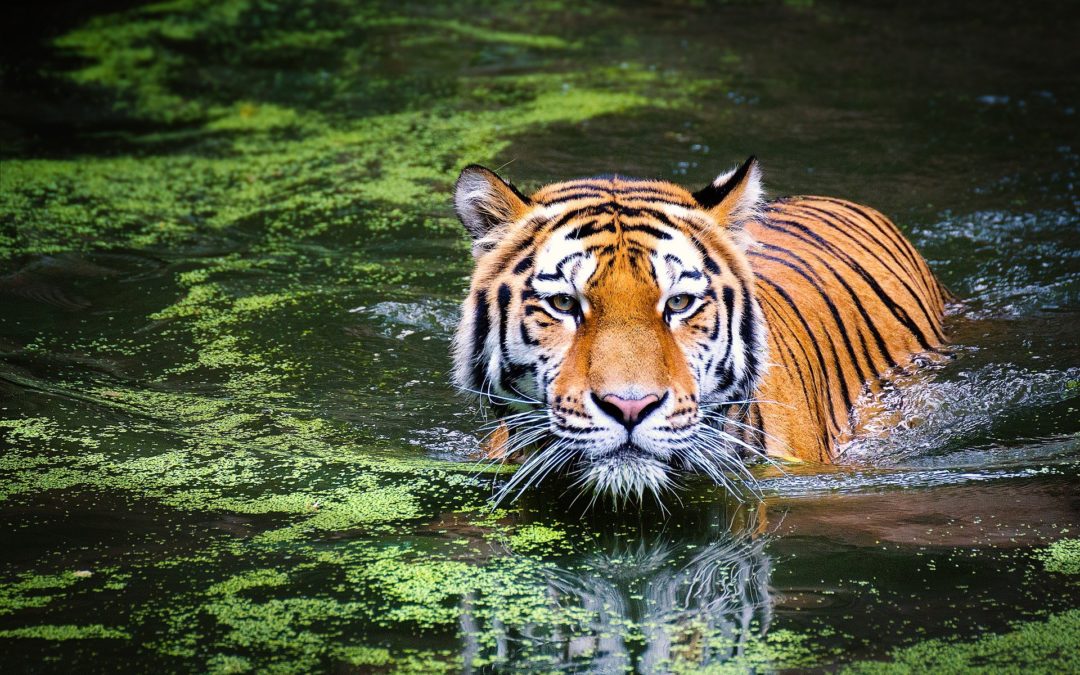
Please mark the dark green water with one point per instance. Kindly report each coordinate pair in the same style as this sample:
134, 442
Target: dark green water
229, 272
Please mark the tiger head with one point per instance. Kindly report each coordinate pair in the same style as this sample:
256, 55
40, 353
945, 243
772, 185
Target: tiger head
615, 317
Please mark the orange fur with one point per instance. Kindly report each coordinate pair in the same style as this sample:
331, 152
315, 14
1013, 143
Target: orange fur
843, 296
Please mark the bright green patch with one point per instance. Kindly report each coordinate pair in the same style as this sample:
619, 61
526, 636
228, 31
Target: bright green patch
66, 632
34, 591
253, 579
1048, 647
536, 539
1062, 557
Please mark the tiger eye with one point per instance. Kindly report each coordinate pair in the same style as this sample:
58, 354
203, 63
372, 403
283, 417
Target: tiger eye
564, 303
678, 303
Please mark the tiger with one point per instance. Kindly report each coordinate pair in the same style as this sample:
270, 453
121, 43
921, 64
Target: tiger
628, 332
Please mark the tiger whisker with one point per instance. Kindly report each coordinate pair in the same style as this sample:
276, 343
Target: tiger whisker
491, 396
721, 417
723, 436
532, 470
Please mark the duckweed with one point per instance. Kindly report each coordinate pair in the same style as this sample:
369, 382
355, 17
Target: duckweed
34, 591
66, 632
537, 538
1051, 646
1062, 557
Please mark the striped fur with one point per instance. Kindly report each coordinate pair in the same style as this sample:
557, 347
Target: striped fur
792, 308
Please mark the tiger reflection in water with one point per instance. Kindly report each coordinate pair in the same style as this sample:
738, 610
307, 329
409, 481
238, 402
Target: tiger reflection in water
652, 602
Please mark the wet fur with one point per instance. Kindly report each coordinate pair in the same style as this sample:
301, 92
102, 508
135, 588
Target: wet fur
798, 304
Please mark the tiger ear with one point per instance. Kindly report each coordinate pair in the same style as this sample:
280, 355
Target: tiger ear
734, 198
484, 202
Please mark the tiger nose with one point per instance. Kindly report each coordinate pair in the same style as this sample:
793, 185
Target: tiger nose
628, 411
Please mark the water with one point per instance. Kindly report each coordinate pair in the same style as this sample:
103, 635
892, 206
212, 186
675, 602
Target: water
229, 273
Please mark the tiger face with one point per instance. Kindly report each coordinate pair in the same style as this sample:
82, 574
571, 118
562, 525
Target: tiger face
613, 317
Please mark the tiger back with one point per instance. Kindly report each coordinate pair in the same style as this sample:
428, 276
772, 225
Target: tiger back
847, 299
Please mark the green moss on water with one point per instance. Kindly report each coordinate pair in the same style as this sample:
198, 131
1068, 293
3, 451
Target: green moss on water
538, 539
312, 178
405, 662
65, 632
228, 664
1062, 557
278, 171
420, 593
252, 579
1051, 646
31, 590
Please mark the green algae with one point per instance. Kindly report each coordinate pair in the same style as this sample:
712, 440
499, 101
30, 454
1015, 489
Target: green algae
285, 174
303, 183
1051, 646
1062, 557
34, 591
535, 538
418, 593
64, 632
127, 56
228, 664
404, 662
252, 579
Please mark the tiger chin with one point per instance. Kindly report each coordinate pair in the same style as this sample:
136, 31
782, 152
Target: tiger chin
630, 332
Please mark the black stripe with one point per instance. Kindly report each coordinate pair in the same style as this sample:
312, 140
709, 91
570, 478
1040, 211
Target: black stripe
524, 265
631, 212
710, 264
481, 328
915, 296
558, 273
510, 372
774, 326
503, 299
879, 341
913, 274
589, 229
840, 325
930, 280
749, 338
563, 219
817, 348
539, 309
729, 374
624, 195
888, 229
729, 306
647, 229
632, 187
525, 337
